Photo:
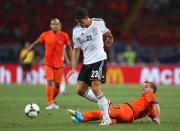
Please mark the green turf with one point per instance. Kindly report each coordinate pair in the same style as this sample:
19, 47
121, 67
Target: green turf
13, 99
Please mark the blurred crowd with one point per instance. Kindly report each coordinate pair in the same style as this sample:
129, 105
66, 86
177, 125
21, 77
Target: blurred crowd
158, 18
24, 20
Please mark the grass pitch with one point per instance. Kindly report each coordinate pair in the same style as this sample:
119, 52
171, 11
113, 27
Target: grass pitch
13, 99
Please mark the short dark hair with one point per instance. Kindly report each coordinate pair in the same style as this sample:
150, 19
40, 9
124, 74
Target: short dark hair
152, 85
80, 13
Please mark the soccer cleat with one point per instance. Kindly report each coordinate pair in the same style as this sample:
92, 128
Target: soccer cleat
75, 120
71, 112
54, 105
106, 122
75, 114
49, 107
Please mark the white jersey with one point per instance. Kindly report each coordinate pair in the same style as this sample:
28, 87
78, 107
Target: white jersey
90, 40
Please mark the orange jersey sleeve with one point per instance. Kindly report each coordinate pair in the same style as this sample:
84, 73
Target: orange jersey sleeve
41, 38
144, 105
150, 97
54, 45
67, 41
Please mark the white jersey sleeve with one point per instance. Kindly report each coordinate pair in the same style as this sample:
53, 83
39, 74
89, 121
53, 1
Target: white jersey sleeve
76, 42
103, 27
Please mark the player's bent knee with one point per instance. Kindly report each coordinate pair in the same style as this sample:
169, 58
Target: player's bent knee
81, 88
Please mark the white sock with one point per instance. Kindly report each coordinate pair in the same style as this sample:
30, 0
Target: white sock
103, 105
62, 85
90, 95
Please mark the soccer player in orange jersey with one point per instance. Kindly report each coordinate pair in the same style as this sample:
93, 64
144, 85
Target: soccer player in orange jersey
146, 105
54, 41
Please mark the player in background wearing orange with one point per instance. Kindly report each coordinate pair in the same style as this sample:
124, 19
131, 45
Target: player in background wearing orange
146, 105
54, 41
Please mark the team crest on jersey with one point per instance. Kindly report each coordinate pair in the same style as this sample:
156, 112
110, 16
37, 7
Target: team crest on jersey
94, 31
59, 41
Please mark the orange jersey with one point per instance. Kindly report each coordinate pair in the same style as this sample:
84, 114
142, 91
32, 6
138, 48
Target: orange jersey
143, 106
54, 44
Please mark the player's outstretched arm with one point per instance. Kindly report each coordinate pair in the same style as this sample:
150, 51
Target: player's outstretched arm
75, 58
156, 108
31, 47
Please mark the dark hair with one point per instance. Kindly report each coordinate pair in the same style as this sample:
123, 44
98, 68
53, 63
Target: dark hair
80, 13
152, 85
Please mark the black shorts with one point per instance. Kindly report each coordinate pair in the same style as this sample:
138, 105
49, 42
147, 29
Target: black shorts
27, 67
95, 71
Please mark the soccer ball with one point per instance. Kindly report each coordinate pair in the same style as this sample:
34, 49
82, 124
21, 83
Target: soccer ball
32, 110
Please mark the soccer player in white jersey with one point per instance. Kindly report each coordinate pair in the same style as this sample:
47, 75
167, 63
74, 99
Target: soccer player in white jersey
88, 36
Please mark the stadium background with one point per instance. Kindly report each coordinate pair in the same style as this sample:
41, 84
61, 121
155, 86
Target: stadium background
151, 27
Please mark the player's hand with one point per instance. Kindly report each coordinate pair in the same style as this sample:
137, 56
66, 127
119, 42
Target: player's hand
23, 57
108, 42
70, 73
156, 120
150, 119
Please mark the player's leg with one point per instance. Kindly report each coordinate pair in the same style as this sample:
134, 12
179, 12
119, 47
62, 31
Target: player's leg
49, 87
24, 73
56, 89
30, 72
78, 117
119, 114
94, 115
49, 93
123, 113
82, 90
97, 78
86, 116
102, 102
57, 81
83, 83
